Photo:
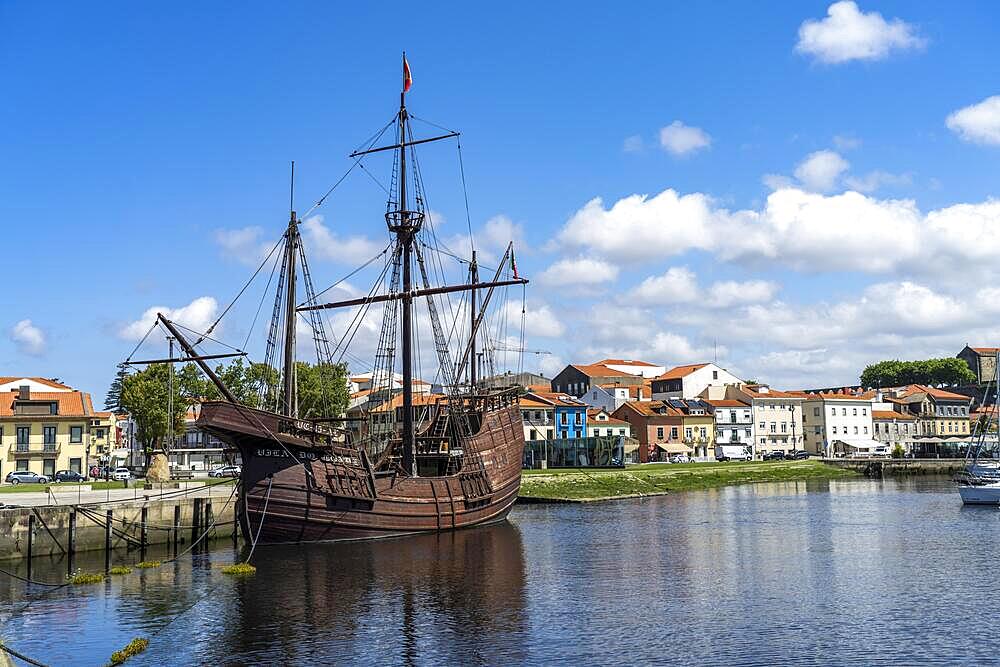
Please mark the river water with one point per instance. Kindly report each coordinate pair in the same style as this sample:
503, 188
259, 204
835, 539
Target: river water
810, 573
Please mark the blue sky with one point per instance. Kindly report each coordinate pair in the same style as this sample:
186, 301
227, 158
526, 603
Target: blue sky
827, 212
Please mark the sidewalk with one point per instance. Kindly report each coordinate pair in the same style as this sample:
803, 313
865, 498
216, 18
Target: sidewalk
74, 496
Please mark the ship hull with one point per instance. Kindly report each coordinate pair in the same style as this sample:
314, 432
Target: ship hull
293, 491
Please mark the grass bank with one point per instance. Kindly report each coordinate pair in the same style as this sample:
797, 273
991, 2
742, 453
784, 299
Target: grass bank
595, 484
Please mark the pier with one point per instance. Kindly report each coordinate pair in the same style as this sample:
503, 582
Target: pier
876, 467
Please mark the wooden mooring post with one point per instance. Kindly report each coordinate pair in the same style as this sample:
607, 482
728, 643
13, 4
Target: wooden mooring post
108, 518
209, 519
71, 543
196, 516
31, 540
177, 526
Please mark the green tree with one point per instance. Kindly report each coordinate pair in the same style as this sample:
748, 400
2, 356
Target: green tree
897, 451
113, 400
322, 389
145, 396
947, 371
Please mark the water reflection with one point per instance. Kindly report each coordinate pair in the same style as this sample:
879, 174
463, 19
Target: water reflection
425, 599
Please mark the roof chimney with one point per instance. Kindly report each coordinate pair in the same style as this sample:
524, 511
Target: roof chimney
24, 392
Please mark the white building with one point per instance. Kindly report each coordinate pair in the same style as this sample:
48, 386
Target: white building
733, 422
691, 380
600, 424
777, 417
610, 397
633, 367
830, 417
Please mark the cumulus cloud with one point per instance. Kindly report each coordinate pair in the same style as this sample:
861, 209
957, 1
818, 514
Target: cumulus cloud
727, 293
197, 315
978, 123
801, 230
680, 139
877, 179
539, 320
322, 242
847, 33
244, 244
633, 144
580, 271
820, 171
679, 285
846, 142
28, 338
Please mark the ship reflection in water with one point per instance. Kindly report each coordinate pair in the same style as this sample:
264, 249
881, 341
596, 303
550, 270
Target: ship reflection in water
448, 598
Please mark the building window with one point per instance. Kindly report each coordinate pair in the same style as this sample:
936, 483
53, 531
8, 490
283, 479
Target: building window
22, 464
784, 427
843, 412
833, 412
76, 434
748, 433
534, 435
48, 467
866, 430
815, 412
75, 465
835, 430
53, 408
673, 433
864, 412
659, 433
562, 434
774, 427
855, 430
817, 430
688, 433
576, 434
715, 375
49, 437
23, 435
855, 412
763, 426
549, 433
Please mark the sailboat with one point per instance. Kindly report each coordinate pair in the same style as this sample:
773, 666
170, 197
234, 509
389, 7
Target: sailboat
979, 480
446, 464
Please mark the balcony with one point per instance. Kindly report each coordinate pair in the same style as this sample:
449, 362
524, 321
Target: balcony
37, 451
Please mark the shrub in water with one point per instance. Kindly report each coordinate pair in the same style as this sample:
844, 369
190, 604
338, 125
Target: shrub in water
146, 564
239, 569
120, 569
135, 647
79, 578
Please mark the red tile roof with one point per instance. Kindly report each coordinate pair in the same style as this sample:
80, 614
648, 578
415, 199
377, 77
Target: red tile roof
891, 414
596, 370
680, 372
936, 393
984, 350
49, 383
726, 403
623, 362
71, 403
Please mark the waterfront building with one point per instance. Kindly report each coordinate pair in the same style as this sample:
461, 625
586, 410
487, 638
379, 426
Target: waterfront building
610, 397
691, 381
633, 367
982, 361
894, 428
106, 445
538, 417
733, 422
777, 417
830, 417
600, 423
511, 379
195, 450
674, 426
940, 413
577, 379
45, 430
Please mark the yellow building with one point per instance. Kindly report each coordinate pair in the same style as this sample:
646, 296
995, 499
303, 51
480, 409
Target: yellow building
45, 426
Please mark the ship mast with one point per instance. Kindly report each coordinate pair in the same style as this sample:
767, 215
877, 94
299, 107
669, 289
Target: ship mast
289, 402
406, 224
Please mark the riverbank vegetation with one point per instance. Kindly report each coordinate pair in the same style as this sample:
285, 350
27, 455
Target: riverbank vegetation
655, 479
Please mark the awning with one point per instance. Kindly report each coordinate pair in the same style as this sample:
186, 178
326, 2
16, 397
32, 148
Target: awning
861, 444
675, 448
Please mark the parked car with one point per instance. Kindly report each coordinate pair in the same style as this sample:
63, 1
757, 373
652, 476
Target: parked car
226, 471
680, 458
67, 476
797, 455
121, 474
776, 455
25, 477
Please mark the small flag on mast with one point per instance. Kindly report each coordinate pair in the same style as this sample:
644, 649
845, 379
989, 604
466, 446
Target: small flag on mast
407, 79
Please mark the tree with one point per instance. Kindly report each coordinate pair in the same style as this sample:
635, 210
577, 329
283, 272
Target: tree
897, 451
322, 389
113, 400
945, 371
146, 397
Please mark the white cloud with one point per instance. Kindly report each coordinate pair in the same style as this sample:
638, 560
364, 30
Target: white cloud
549, 364
874, 180
677, 285
846, 142
727, 293
243, 244
539, 320
777, 181
680, 139
978, 123
579, 271
633, 144
820, 171
29, 338
848, 34
197, 315
322, 242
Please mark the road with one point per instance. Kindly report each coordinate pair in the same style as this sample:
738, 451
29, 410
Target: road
73, 495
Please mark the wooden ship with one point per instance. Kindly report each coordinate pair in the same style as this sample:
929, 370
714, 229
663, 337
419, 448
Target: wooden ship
314, 479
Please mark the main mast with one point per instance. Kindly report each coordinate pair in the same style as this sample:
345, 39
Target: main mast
289, 400
406, 224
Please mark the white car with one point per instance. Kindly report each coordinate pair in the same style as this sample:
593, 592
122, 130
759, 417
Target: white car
680, 458
121, 474
226, 471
